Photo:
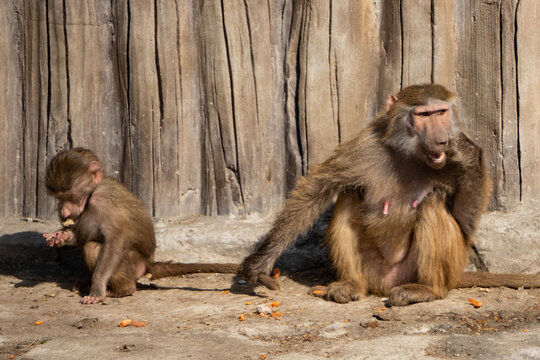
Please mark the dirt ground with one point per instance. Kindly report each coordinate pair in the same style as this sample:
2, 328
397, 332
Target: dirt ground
198, 317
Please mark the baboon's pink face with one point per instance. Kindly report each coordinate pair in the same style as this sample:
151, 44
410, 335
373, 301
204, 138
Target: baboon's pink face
432, 124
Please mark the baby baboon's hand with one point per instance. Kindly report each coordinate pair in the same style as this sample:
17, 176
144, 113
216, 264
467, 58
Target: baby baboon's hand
57, 238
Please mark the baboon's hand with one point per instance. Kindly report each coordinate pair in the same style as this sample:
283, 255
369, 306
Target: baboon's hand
465, 151
253, 271
268, 281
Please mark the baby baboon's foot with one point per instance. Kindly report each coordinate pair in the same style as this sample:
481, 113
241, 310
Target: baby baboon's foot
88, 300
117, 293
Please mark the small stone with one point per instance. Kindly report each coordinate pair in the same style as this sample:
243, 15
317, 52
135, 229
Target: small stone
334, 330
263, 309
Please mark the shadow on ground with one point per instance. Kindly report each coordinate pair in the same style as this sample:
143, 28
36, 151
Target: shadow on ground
25, 256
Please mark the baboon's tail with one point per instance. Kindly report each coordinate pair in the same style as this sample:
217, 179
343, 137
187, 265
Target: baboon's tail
163, 269
486, 279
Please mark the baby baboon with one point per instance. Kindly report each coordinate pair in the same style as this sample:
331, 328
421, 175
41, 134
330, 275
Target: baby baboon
110, 225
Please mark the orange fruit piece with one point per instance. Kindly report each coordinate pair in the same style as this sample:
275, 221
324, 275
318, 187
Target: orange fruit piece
475, 303
125, 322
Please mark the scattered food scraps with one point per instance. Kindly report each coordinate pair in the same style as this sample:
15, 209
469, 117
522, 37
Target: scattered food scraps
39, 322
318, 292
276, 273
129, 322
225, 291
248, 303
381, 309
125, 322
475, 303
276, 314
274, 304
242, 318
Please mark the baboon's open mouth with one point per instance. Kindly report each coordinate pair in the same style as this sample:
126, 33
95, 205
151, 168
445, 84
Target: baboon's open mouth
437, 158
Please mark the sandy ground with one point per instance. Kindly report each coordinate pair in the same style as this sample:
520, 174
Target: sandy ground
198, 317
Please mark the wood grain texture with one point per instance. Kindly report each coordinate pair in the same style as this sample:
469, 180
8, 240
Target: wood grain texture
179, 150
417, 42
218, 107
35, 79
528, 51
478, 35
11, 116
317, 114
355, 55
93, 82
509, 183
444, 48
390, 65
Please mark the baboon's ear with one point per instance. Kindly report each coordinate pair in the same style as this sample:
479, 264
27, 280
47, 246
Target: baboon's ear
390, 101
96, 171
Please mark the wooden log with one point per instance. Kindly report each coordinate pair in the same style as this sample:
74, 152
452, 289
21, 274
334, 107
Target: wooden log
144, 102
417, 42
391, 55
178, 146
477, 26
11, 116
355, 58
443, 40
93, 98
509, 182
222, 191
528, 52
217, 107
318, 119
35, 76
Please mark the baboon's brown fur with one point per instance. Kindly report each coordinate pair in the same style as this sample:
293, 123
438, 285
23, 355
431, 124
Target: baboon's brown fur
111, 226
410, 191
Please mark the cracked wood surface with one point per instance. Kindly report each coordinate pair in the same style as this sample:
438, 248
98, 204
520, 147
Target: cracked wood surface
218, 107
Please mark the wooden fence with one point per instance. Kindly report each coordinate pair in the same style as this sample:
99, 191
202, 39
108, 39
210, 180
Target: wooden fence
217, 107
